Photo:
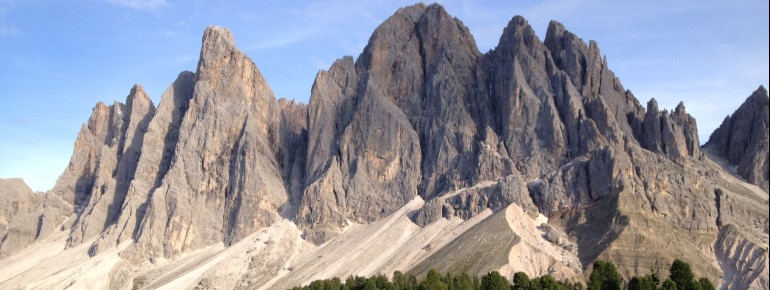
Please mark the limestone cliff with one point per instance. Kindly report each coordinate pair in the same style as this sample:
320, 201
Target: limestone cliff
26, 216
227, 177
743, 139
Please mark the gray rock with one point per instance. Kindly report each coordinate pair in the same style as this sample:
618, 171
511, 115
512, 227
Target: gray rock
26, 216
403, 118
743, 261
674, 135
158, 145
76, 182
743, 139
225, 179
115, 166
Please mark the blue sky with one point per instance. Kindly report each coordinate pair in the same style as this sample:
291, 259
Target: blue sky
58, 58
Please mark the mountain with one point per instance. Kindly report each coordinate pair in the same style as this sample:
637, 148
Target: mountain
26, 216
420, 153
742, 139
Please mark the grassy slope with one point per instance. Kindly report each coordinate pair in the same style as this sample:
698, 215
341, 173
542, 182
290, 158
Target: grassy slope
479, 250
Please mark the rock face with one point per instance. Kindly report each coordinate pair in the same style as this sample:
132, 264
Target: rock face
420, 113
230, 169
115, 135
27, 216
743, 139
218, 160
524, 109
674, 135
395, 124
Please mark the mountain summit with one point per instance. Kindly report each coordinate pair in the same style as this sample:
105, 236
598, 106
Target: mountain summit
420, 153
743, 139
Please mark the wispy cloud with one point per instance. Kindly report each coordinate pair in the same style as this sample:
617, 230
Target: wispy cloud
8, 30
19, 122
146, 5
280, 41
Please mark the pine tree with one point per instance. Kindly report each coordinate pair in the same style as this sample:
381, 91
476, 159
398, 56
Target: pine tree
449, 281
371, 285
604, 276
705, 284
547, 282
642, 283
682, 275
520, 281
463, 282
399, 280
494, 281
433, 282
669, 285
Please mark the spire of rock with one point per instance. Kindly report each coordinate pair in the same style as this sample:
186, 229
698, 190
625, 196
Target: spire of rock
217, 44
75, 184
407, 114
115, 166
158, 147
674, 134
225, 163
742, 139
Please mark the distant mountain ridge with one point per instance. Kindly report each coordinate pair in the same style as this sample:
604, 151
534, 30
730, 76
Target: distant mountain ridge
740, 139
420, 132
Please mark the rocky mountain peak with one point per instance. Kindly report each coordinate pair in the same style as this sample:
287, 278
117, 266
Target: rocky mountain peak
413, 11
758, 98
571, 54
558, 38
216, 41
100, 115
680, 108
556, 30
517, 32
424, 30
652, 105
742, 139
219, 55
137, 93
674, 133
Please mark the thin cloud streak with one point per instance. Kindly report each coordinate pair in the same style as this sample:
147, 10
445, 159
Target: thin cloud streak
277, 42
146, 5
9, 31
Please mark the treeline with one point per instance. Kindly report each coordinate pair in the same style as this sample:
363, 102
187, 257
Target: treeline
604, 276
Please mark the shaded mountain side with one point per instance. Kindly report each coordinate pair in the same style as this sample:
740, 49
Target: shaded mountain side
186, 174
233, 168
743, 139
420, 114
26, 216
118, 132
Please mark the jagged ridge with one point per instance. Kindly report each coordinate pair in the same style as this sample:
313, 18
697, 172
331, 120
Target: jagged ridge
421, 112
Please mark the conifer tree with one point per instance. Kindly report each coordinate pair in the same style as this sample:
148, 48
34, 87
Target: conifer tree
463, 282
604, 276
669, 285
494, 281
433, 282
682, 275
520, 281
